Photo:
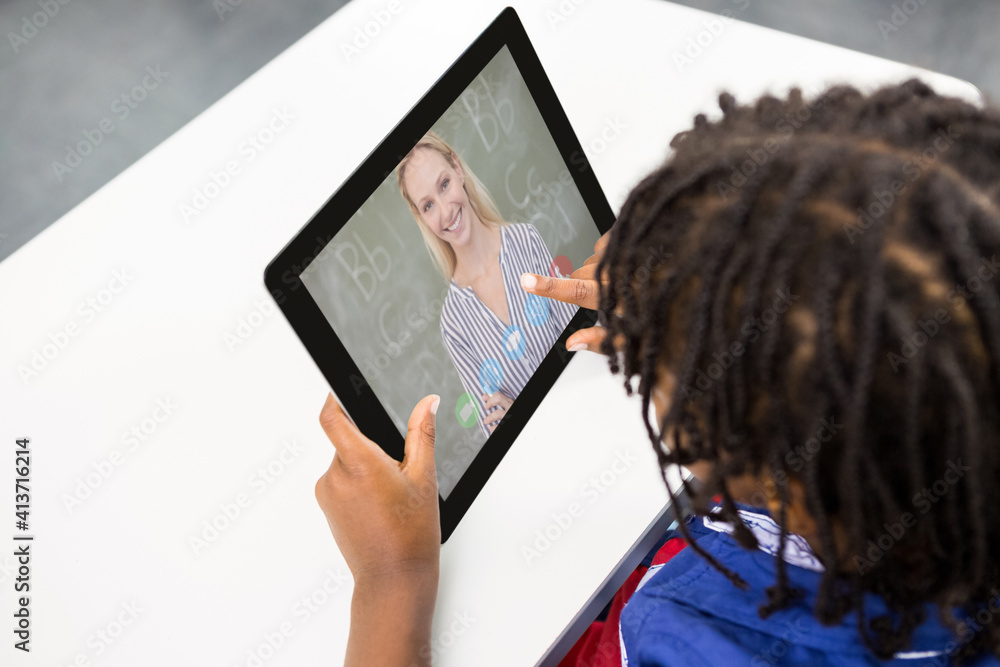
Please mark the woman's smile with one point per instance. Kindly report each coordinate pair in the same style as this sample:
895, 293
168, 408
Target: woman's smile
456, 224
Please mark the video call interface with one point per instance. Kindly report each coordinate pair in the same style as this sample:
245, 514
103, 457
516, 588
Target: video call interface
403, 283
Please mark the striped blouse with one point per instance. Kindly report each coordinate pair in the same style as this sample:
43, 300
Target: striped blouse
489, 355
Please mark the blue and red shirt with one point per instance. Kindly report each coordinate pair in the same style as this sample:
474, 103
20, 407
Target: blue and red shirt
682, 611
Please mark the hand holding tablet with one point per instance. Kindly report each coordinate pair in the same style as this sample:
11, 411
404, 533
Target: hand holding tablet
394, 557
580, 289
407, 281
363, 490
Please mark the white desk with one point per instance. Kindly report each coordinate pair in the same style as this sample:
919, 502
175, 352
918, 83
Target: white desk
272, 573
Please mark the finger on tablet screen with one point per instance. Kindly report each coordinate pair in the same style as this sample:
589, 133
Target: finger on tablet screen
578, 292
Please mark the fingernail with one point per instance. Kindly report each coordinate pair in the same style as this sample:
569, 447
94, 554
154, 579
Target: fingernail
576, 347
434, 405
528, 281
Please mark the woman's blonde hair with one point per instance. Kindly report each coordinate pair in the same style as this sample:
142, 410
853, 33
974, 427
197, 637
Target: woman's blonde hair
482, 202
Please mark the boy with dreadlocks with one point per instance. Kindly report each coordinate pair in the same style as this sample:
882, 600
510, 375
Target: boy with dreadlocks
823, 353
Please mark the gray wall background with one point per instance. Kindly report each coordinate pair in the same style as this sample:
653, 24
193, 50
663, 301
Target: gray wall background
91, 52
376, 282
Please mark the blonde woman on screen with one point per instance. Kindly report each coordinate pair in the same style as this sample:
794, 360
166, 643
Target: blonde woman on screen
495, 332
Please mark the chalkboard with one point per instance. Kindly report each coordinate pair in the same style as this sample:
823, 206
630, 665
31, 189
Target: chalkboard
380, 290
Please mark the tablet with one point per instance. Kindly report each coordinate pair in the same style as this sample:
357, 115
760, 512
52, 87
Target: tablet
406, 282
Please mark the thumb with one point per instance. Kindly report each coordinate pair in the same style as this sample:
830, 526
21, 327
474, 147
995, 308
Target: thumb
418, 450
587, 339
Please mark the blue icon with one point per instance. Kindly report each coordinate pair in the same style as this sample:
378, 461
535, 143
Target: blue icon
536, 308
490, 376
513, 342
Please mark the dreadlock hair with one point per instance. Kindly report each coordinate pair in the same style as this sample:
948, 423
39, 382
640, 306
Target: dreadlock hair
832, 259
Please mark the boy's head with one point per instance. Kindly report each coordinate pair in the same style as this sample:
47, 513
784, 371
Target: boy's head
828, 325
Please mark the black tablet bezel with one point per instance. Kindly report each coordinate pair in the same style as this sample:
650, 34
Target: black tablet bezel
282, 275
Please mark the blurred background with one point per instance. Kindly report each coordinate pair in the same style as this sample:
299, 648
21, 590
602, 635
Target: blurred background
68, 65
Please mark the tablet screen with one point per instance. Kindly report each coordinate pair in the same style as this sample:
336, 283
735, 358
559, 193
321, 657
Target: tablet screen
422, 283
